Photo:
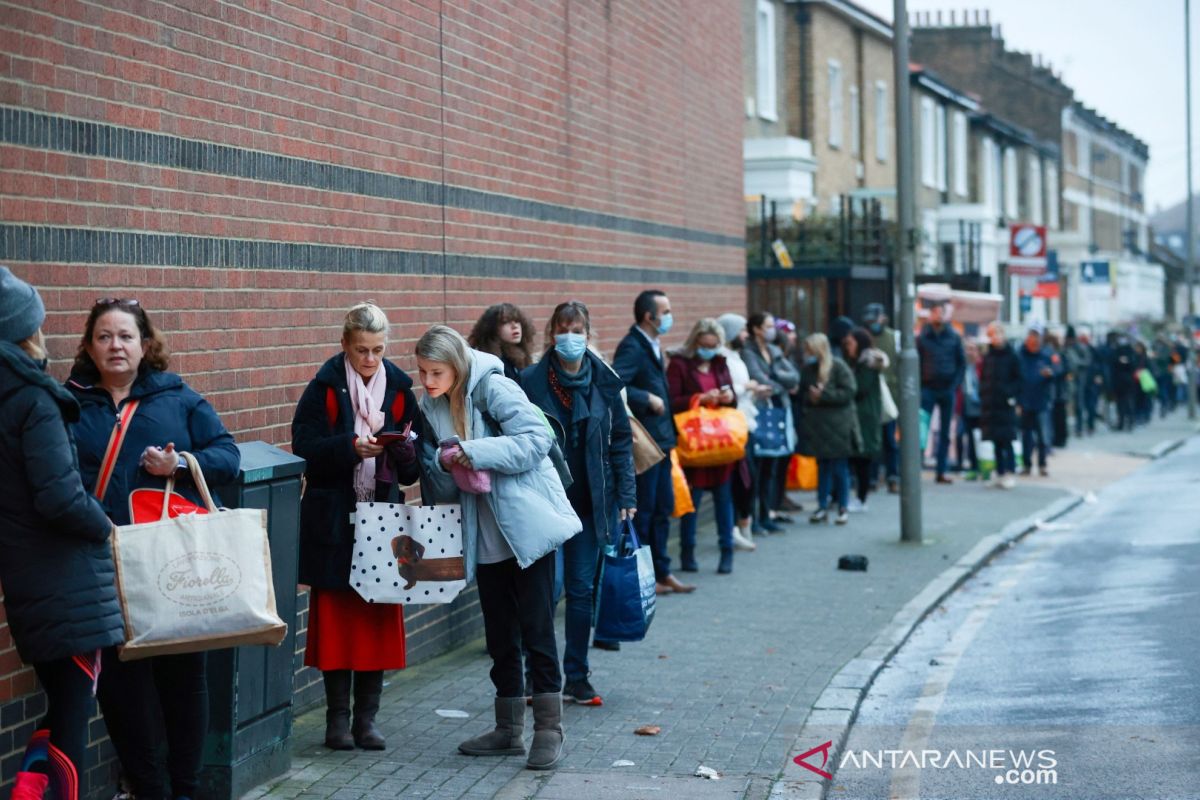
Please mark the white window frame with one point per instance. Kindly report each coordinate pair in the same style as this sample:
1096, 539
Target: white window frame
836, 109
928, 144
940, 122
987, 174
855, 124
1012, 206
1052, 216
998, 173
1035, 189
766, 87
961, 145
882, 142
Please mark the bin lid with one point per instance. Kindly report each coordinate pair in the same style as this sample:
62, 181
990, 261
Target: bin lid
265, 462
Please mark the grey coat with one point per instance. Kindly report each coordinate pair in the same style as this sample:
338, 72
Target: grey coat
527, 497
780, 374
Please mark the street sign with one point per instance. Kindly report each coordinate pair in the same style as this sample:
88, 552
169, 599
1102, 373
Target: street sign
1047, 282
1094, 272
781, 254
1026, 249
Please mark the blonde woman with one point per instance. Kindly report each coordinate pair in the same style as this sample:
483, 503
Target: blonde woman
355, 394
831, 432
479, 420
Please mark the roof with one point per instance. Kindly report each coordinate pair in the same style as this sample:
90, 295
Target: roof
929, 80
1014, 133
1098, 121
855, 13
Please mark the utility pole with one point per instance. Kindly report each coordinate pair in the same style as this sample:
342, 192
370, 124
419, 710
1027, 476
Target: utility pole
1189, 269
910, 372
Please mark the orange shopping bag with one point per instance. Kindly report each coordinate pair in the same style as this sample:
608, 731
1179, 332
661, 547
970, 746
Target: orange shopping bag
683, 494
802, 474
710, 437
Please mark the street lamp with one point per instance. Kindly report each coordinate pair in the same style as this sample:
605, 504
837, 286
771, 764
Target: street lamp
1189, 269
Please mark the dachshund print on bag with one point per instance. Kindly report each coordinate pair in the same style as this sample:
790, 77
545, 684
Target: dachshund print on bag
414, 567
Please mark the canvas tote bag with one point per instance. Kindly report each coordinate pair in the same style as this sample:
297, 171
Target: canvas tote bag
196, 581
408, 554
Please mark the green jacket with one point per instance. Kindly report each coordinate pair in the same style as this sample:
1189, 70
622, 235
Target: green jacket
868, 400
831, 423
886, 341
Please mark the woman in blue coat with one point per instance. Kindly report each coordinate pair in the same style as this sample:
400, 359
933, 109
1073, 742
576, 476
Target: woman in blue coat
59, 594
120, 378
582, 395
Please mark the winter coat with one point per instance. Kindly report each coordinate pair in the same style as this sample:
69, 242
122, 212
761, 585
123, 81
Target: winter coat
999, 387
683, 376
943, 361
831, 423
868, 399
56, 566
886, 340
168, 411
645, 374
527, 498
740, 377
779, 373
1037, 390
323, 435
609, 446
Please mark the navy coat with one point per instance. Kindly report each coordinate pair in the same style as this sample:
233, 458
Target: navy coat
609, 450
55, 562
645, 374
1037, 391
943, 361
326, 535
169, 411
999, 387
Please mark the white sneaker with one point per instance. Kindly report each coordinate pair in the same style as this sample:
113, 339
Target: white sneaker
1008, 482
842, 517
997, 481
740, 542
856, 506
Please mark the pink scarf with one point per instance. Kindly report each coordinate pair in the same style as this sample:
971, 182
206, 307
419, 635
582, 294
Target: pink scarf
367, 402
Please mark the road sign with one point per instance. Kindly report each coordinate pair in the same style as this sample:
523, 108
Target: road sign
1026, 249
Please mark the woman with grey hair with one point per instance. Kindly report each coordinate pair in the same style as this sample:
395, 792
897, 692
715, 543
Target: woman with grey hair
485, 446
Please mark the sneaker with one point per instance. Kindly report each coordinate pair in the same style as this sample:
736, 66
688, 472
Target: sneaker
842, 517
741, 542
581, 693
893, 486
770, 527
1045, 473
1008, 482
819, 516
782, 519
601, 644
856, 506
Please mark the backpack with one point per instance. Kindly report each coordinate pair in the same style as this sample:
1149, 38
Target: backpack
555, 455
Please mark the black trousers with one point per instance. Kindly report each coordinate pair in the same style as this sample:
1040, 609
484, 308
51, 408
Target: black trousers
131, 695
67, 683
743, 490
518, 610
861, 467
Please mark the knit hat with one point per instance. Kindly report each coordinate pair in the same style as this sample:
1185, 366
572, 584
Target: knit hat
21, 308
785, 326
872, 312
733, 325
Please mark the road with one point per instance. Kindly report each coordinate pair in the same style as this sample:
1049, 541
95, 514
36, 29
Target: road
1068, 668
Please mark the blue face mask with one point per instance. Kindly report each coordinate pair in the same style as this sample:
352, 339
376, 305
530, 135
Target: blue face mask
876, 328
665, 323
706, 353
570, 346
810, 360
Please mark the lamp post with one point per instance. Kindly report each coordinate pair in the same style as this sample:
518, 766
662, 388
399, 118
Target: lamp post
1189, 268
910, 389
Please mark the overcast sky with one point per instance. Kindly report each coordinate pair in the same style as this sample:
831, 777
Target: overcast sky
1124, 58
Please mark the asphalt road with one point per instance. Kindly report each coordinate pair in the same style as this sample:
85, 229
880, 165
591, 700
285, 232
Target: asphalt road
1069, 668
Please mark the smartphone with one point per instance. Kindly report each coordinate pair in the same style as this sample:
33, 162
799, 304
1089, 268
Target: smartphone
449, 440
384, 438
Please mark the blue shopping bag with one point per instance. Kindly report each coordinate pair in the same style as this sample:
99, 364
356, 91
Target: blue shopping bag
626, 599
775, 434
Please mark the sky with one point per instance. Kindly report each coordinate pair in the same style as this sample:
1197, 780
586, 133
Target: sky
1124, 58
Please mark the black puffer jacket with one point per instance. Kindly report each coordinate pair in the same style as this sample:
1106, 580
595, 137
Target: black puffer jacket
55, 563
999, 389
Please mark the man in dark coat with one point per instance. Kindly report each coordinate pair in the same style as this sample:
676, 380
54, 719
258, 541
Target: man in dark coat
639, 362
1037, 393
1122, 366
943, 363
999, 387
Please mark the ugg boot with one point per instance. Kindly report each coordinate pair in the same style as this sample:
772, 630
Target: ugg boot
337, 710
547, 747
368, 686
505, 740
30, 786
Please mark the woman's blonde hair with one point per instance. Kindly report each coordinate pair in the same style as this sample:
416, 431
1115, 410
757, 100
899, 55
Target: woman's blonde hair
447, 346
34, 346
365, 317
703, 327
818, 345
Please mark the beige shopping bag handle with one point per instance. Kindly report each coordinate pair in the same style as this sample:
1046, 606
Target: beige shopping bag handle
197, 478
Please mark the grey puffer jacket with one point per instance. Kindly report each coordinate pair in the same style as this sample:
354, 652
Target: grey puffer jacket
527, 497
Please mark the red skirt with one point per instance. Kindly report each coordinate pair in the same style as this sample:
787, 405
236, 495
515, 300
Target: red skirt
347, 632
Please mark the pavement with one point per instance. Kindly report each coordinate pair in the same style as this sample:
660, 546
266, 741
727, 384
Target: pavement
739, 676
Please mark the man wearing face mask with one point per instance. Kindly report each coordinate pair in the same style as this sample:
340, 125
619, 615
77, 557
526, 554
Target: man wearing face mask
639, 362
875, 320
943, 364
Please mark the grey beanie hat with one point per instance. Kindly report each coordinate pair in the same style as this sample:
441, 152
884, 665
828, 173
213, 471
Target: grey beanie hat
21, 308
733, 325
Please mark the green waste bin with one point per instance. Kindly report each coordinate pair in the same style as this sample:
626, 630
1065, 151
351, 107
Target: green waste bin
250, 688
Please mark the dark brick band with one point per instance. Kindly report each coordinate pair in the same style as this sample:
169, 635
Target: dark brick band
91, 246
81, 137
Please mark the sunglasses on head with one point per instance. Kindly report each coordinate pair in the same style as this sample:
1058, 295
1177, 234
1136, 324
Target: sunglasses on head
117, 301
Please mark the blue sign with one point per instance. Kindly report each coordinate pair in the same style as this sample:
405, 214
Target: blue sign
1051, 273
1026, 303
1095, 272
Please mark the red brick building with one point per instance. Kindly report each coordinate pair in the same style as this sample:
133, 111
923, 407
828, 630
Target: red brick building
248, 171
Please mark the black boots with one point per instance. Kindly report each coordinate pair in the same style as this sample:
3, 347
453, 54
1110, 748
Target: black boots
337, 710
726, 565
687, 559
368, 686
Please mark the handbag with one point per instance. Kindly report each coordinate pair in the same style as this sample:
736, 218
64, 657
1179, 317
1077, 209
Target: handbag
646, 452
775, 436
408, 554
626, 599
555, 455
195, 582
710, 437
802, 474
683, 494
890, 411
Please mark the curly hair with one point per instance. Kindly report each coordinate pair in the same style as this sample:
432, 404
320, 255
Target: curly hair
485, 335
154, 347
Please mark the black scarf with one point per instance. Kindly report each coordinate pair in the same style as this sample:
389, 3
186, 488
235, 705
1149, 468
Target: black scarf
572, 390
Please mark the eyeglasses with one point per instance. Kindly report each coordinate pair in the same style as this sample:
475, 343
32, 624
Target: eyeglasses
117, 301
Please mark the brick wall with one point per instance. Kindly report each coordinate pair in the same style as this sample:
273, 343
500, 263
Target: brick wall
248, 172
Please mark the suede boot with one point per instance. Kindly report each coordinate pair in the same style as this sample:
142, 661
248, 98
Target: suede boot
547, 747
505, 740
368, 686
337, 710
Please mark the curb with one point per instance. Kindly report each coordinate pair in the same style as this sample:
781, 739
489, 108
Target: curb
836, 709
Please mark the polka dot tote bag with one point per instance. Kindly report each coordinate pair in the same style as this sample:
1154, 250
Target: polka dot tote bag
407, 554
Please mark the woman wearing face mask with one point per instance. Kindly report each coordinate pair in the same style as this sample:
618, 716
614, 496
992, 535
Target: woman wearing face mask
698, 371
830, 424
768, 366
867, 363
581, 395
507, 333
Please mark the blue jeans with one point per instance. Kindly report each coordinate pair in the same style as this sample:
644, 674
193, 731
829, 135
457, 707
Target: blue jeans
1035, 425
890, 457
943, 399
582, 556
656, 503
722, 505
1006, 459
833, 473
